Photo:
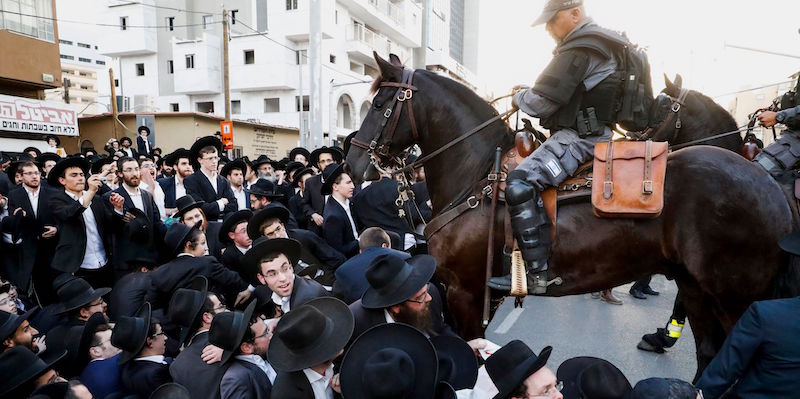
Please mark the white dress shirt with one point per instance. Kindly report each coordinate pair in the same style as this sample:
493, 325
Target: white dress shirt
388, 317
180, 190
213, 180
128, 151
346, 206
155, 359
95, 255
240, 197
282, 301
33, 197
136, 196
262, 364
321, 384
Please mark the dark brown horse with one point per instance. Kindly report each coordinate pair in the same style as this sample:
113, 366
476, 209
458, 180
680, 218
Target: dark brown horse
717, 236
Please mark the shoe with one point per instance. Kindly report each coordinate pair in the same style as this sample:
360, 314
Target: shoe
608, 296
649, 291
537, 282
637, 294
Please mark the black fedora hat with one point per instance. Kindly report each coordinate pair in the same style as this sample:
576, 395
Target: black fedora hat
76, 341
34, 149
143, 127
138, 229
458, 365
172, 158
76, 293
262, 246
87, 334
393, 280
227, 330
329, 176
298, 175
569, 371
670, 388
311, 334
292, 166
231, 221
237, 163
603, 380
63, 165
48, 156
347, 141
97, 165
171, 390
445, 391
791, 243
264, 188
512, 364
185, 204
268, 212
203, 142
19, 365
337, 156
299, 150
50, 136
176, 237
261, 160
53, 390
130, 333
9, 322
186, 305
125, 138
392, 360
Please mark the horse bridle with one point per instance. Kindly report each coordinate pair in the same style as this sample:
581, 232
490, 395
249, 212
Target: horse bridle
673, 118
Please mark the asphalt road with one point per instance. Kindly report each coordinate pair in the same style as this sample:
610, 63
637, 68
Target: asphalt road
580, 325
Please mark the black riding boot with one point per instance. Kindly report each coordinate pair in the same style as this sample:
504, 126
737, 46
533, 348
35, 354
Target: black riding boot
531, 230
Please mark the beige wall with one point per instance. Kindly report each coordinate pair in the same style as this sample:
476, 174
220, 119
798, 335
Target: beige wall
24, 60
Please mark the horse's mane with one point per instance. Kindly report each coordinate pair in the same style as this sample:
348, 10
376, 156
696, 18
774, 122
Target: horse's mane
722, 119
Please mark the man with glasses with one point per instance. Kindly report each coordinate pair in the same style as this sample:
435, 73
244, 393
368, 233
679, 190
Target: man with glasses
33, 231
101, 374
518, 373
206, 184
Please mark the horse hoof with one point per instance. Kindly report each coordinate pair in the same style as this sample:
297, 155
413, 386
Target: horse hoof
643, 345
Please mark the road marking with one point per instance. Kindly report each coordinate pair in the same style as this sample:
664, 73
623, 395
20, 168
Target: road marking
509, 321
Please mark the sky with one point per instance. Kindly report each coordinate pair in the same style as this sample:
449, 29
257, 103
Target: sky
692, 38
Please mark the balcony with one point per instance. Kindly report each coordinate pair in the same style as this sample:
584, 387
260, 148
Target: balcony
400, 21
264, 76
197, 64
130, 38
362, 41
295, 24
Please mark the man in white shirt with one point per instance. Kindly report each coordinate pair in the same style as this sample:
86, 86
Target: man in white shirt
234, 172
173, 186
206, 184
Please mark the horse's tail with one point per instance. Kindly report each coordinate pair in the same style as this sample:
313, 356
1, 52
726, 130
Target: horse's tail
786, 282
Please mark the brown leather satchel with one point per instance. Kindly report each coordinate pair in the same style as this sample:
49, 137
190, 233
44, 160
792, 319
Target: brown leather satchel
628, 178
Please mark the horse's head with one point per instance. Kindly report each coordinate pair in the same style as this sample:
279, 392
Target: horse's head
390, 127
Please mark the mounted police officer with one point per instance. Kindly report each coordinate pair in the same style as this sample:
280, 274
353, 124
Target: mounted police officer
577, 98
784, 153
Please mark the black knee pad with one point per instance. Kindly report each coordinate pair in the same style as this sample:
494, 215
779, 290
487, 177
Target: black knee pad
519, 191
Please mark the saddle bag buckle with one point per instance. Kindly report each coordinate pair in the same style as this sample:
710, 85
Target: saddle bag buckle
647, 187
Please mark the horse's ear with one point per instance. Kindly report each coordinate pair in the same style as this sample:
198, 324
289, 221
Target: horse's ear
671, 88
678, 81
395, 60
389, 71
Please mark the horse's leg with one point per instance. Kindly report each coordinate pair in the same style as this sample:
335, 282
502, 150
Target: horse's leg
706, 327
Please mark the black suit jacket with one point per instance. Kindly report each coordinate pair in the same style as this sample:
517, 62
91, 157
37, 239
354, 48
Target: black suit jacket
761, 357
296, 210
68, 214
421, 197
294, 385
232, 258
149, 234
142, 377
244, 380
375, 206
129, 294
304, 290
179, 273
198, 186
313, 201
140, 146
168, 186
133, 154
315, 251
33, 249
212, 238
188, 369
336, 228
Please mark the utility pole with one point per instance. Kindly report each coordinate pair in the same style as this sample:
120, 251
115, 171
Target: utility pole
315, 65
302, 130
66, 83
114, 111
225, 72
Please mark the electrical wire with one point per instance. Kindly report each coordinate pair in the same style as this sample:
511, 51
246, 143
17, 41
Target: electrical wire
118, 26
125, 2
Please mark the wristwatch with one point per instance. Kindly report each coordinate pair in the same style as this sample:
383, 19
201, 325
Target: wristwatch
780, 117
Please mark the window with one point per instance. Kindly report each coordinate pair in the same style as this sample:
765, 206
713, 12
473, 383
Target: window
208, 20
84, 45
67, 57
249, 57
301, 57
272, 105
139, 69
99, 62
123, 23
206, 107
65, 42
189, 61
170, 67
170, 23
291, 4
175, 107
236, 106
233, 16
81, 59
297, 103
332, 59
261, 16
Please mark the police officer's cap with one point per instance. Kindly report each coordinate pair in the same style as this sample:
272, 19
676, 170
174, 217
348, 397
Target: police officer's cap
554, 6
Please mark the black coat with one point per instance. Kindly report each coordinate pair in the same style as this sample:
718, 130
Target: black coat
304, 290
168, 186
421, 197
761, 357
133, 154
337, 230
33, 249
244, 380
375, 206
140, 146
142, 377
313, 201
68, 214
212, 239
351, 282
148, 235
198, 186
294, 385
232, 258
179, 273
316, 251
129, 294
188, 369
296, 210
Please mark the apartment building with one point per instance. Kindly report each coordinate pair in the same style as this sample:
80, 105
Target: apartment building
450, 34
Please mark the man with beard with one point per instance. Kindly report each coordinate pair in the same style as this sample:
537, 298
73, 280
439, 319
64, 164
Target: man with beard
173, 185
16, 331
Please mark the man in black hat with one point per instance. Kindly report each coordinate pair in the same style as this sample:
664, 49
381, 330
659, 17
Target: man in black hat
244, 341
125, 147
173, 186
264, 168
206, 184
295, 205
130, 291
33, 228
519, 373
304, 346
399, 292
591, 377
83, 223
143, 342
300, 154
313, 199
340, 220
234, 172
143, 140
102, 374
190, 213
23, 372
47, 161
15, 330
52, 143
194, 311
263, 193
234, 234
576, 97
79, 301
271, 262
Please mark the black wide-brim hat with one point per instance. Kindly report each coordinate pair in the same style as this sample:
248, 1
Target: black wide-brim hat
125, 138
299, 150
261, 160
232, 221
237, 163
171, 390
329, 176
604, 380
19, 365
50, 136
569, 371
138, 229
264, 188
335, 153
292, 166
76, 293
310, 334
185, 306
185, 204
262, 246
347, 141
510, 365
48, 156
89, 330
130, 333
227, 330
202, 142
172, 158
9, 322
458, 365
791, 243
63, 165
177, 235
97, 166
389, 360
298, 175
143, 127
393, 280
268, 212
